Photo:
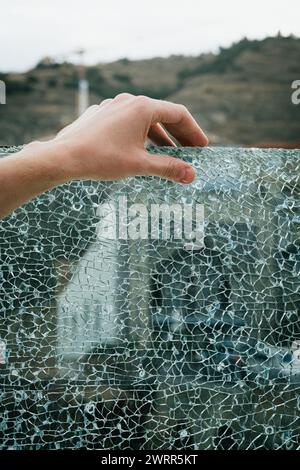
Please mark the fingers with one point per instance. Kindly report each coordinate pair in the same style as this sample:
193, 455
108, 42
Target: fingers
123, 97
179, 122
167, 168
159, 136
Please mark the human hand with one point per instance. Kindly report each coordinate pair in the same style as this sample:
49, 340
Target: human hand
108, 141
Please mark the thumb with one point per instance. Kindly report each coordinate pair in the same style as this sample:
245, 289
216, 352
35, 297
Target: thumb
169, 168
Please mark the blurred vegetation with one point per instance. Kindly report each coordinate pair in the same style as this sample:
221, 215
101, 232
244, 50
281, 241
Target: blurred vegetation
225, 60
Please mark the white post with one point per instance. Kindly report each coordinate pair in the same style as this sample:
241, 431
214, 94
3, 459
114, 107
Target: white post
83, 85
83, 95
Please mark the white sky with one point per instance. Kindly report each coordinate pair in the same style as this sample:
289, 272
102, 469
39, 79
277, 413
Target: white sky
31, 29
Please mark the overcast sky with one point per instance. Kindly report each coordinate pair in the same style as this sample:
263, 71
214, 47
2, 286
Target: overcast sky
31, 29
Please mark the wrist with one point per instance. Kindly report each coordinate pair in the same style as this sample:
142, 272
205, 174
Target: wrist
54, 159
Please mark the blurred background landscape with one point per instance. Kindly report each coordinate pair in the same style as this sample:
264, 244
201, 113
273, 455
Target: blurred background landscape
241, 95
232, 64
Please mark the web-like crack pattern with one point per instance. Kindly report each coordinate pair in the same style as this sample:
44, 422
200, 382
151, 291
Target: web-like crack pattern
115, 343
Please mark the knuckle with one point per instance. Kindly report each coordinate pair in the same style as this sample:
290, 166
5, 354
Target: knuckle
142, 102
182, 112
183, 108
122, 96
107, 100
93, 107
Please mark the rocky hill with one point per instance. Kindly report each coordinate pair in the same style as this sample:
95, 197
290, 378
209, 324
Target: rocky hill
242, 95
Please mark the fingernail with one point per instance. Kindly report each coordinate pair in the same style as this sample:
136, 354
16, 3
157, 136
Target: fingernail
188, 175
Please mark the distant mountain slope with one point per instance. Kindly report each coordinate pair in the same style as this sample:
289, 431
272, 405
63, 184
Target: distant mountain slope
240, 96
244, 95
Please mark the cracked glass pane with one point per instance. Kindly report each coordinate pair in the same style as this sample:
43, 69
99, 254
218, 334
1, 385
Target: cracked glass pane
142, 314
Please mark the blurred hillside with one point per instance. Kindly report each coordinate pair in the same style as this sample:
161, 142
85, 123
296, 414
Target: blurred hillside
240, 96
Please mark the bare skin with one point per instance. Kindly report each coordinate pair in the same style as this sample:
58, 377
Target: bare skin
106, 143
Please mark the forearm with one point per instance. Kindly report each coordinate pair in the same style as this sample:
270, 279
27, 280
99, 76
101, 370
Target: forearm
37, 168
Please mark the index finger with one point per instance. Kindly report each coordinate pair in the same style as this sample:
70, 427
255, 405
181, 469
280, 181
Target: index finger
179, 122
